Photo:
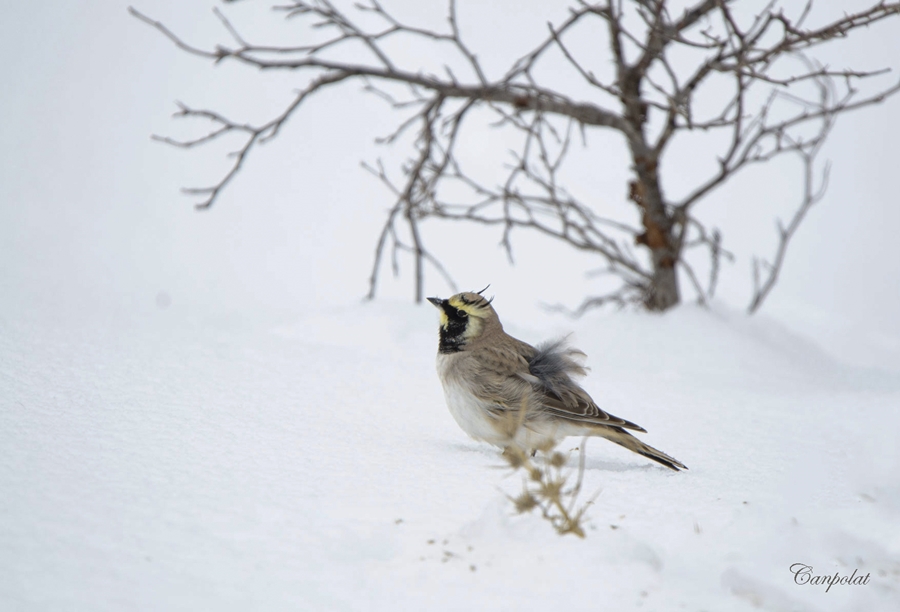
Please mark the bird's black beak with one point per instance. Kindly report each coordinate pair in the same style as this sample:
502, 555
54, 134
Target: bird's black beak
437, 302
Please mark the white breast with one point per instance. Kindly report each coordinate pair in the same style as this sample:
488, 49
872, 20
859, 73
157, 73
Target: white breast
469, 413
474, 417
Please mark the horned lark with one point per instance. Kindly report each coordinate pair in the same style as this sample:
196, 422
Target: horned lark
503, 391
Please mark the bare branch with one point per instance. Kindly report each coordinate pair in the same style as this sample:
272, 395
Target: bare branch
701, 297
811, 195
171, 36
652, 99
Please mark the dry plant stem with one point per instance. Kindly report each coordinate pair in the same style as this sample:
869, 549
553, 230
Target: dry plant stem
549, 494
648, 101
547, 488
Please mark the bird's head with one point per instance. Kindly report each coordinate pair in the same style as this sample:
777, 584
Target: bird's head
465, 317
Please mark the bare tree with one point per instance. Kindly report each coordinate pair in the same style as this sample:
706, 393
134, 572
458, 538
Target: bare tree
648, 99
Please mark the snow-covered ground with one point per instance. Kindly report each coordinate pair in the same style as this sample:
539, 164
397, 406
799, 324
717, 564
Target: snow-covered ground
197, 412
155, 462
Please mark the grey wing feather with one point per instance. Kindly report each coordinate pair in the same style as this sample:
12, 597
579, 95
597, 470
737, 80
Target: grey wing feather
552, 367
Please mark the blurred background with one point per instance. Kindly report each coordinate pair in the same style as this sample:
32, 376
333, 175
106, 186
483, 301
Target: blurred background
92, 222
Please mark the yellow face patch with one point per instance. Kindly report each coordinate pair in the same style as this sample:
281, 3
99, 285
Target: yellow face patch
473, 305
473, 310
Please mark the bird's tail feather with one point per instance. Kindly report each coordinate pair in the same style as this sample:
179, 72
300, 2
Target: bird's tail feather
625, 439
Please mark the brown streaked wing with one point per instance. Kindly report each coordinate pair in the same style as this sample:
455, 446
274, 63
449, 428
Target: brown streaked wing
502, 360
497, 376
578, 406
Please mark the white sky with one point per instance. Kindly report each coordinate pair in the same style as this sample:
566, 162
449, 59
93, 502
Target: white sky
91, 217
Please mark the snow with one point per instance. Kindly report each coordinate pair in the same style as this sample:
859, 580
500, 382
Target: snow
197, 411
156, 462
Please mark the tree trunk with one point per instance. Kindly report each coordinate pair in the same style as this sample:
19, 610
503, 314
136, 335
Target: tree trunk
661, 292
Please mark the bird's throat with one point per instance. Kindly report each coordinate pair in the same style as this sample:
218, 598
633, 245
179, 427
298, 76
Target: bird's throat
452, 337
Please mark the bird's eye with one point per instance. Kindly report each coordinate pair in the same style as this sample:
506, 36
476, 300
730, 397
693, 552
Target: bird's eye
462, 314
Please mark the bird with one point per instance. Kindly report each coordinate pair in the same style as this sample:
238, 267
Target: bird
505, 392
